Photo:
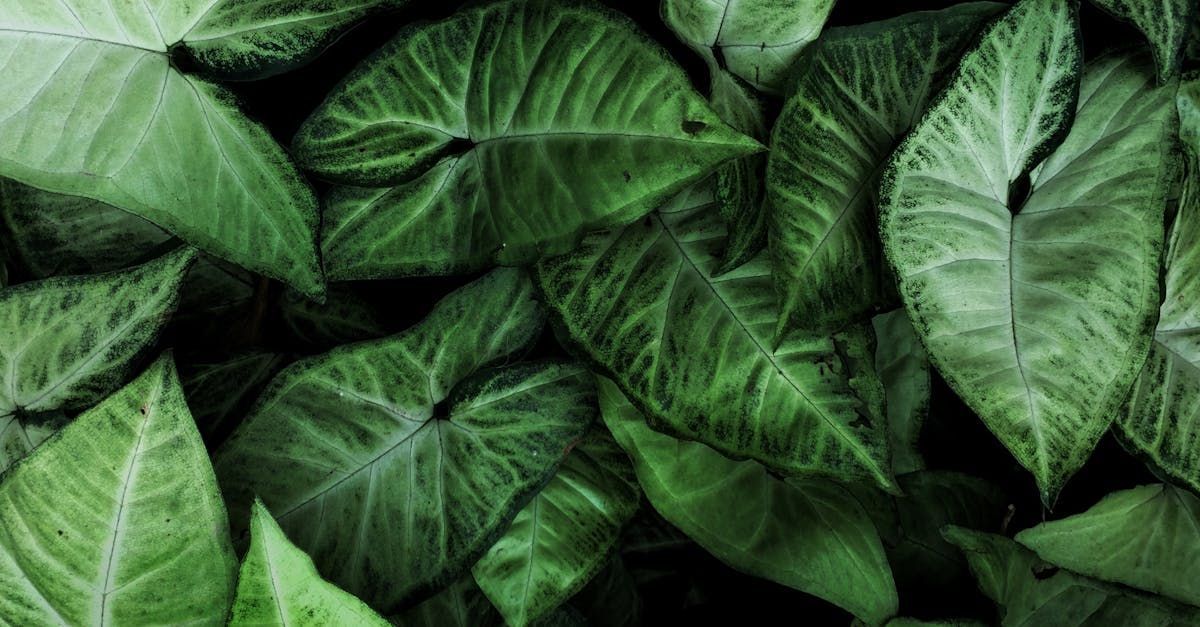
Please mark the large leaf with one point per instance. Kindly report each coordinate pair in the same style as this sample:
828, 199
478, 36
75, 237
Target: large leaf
361, 443
1165, 24
117, 519
757, 40
93, 107
563, 536
694, 351
856, 94
1146, 537
505, 132
278, 585
67, 342
811, 535
1036, 310
903, 367
1033, 592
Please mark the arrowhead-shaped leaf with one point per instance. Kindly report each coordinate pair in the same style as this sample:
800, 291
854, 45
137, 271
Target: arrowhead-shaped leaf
117, 518
811, 535
505, 131
857, 93
1165, 24
694, 350
1036, 310
352, 444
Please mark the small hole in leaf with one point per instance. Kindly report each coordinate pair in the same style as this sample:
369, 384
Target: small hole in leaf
691, 127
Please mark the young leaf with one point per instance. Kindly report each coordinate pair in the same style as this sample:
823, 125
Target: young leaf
903, 368
505, 131
67, 342
360, 431
278, 585
117, 518
93, 107
740, 189
1037, 310
811, 535
857, 92
758, 40
695, 353
1147, 538
563, 536
1033, 592
1165, 24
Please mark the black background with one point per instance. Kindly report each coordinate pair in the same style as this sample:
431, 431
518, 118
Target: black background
704, 591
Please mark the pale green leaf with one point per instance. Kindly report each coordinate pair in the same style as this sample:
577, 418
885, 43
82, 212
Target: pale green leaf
857, 93
67, 342
564, 535
424, 480
740, 189
92, 107
117, 518
278, 585
1165, 24
1031, 591
506, 132
757, 40
694, 351
811, 535
1147, 537
1037, 310
903, 368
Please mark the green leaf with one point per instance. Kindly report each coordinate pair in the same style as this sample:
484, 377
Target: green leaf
740, 189
811, 535
343, 318
67, 342
903, 368
278, 585
856, 93
461, 604
220, 393
93, 107
1147, 537
694, 351
117, 518
757, 40
1033, 592
1165, 24
505, 133
564, 535
243, 39
1037, 310
424, 484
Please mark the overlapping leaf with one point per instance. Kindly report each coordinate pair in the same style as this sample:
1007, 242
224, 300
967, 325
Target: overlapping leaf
504, 133
857, 93
694, 350
1165, 24
1036, 310
903, 368
117, 519
740, 188
392, 496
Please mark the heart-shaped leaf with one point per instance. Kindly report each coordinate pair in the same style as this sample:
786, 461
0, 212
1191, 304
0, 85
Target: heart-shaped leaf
857, 93
505, 132
93, 107
694, 350
811, 535
355, 444
1037, 310
1165, 24
117, 518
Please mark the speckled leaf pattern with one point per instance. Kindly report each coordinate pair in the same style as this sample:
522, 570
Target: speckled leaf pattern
256, 38
857, 93
278, 585
564, 535
117, 518
812, 535
1031, 591
348, 445
903, 368
93, 107
1146, 537
67, 342
694, 350
757, 40
1165, 24
1037, 311
502, 134
740, 188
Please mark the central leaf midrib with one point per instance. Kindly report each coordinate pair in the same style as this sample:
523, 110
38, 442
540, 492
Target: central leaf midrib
119, 44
